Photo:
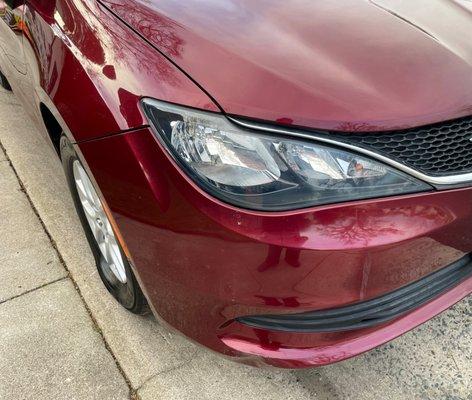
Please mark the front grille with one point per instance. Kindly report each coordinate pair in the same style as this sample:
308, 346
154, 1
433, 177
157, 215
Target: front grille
437, 150
368, 313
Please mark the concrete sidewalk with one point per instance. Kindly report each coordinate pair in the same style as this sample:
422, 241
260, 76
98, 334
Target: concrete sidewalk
62, 336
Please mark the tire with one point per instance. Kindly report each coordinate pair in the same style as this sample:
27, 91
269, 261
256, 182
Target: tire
4, 82
126, 291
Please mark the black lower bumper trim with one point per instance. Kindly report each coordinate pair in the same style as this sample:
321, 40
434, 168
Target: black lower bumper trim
368, 313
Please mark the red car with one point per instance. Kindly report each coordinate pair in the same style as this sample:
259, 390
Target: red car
286, 183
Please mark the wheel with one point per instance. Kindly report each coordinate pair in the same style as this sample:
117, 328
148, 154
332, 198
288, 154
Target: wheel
112, 264
4, 82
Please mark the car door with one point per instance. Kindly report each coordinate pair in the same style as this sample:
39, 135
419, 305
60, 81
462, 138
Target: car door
11, 37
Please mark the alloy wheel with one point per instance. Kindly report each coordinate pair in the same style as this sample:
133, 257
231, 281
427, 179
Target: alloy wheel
99, 223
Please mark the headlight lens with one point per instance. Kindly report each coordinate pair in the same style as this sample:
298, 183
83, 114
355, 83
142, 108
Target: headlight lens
262, 172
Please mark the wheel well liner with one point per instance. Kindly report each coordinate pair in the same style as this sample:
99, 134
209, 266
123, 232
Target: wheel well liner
53, 127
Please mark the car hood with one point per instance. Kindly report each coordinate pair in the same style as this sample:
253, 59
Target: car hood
347, 65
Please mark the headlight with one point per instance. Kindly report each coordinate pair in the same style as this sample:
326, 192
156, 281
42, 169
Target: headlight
262, 172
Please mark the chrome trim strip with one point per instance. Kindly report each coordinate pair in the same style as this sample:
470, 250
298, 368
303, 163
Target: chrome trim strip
434, 180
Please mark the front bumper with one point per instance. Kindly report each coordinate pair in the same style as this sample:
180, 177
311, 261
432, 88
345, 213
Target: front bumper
368, 313
203, 264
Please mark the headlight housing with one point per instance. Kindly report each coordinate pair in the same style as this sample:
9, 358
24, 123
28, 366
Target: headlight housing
268, 172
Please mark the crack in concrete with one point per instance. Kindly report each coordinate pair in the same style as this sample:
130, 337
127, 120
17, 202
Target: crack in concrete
171, 369
455, 362
34, 289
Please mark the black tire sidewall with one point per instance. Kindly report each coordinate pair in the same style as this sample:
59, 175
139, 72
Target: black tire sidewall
129, 294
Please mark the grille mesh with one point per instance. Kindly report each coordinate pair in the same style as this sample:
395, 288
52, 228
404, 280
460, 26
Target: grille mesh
438, 150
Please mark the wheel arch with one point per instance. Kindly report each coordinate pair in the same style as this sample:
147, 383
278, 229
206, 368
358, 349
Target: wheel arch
53, 127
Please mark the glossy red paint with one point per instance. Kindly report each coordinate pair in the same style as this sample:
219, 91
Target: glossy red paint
204, 263
350, 66
91, 70
322, 349
345, 65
